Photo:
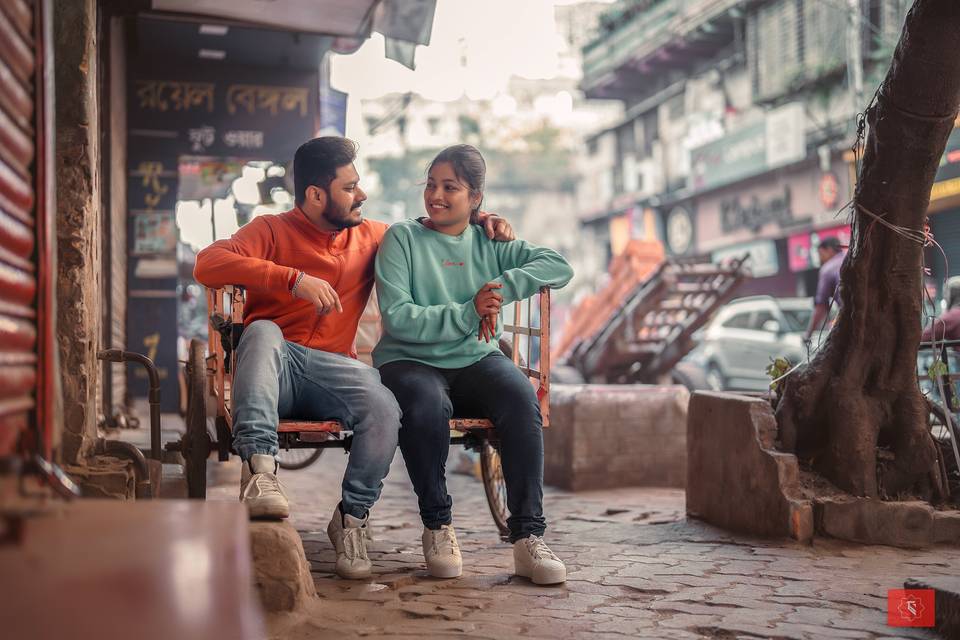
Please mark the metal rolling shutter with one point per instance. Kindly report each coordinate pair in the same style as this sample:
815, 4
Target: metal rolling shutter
18, 271
946, 231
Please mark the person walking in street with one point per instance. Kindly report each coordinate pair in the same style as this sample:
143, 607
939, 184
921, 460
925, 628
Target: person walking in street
947, 326
440, 286
831, 255
308, 274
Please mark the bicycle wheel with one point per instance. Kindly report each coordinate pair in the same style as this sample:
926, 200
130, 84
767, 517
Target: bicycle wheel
295, 459
195, 443
494, 486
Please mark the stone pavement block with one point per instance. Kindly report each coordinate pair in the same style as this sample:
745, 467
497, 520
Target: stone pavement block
281, 571
693, 608
870, 521
690, 622
606, 439
791, 630
614, 580
946, 527
735, 479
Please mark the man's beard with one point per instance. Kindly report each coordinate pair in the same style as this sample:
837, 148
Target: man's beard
339, 218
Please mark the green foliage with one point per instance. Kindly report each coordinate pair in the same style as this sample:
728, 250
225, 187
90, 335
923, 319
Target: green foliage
937, 369
777, 368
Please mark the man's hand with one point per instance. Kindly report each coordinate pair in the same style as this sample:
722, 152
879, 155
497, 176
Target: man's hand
319, 293
497, 228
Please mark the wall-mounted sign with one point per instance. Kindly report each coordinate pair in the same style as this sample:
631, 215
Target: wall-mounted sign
763, 261
947, 181
828, 190
225, 111
154, 233
779, 139
679, 231
802, 248
753, 214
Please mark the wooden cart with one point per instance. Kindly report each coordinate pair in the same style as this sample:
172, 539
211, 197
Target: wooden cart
210, 380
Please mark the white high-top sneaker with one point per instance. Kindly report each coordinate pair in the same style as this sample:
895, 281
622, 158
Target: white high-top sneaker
349, 537
533, 559
442, 553
260, 489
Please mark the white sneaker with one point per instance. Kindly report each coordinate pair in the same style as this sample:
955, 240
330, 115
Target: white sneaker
260, 490
349, 537
442, 553
533, 559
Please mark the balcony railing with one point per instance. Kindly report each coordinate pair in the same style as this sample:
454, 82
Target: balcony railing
612, 48
649, 30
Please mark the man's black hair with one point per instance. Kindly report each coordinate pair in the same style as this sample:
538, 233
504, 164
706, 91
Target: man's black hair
316, 163
831, 243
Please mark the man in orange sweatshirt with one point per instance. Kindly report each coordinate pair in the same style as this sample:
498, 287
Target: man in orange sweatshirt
308, 275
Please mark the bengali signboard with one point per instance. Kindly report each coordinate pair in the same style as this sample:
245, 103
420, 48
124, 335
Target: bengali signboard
262, 114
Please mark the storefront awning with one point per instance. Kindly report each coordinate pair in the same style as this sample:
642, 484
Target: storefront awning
351, 18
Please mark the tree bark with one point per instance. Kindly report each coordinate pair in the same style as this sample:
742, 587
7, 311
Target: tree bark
855, 412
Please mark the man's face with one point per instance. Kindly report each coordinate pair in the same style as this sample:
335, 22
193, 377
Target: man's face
343, 198
825, 253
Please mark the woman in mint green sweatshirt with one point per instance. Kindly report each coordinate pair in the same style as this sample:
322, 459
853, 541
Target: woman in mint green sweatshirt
440, 284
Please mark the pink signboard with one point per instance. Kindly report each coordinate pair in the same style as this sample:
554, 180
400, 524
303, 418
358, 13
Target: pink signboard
802, 248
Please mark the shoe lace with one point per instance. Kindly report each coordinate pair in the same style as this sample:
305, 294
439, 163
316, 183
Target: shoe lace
264, 483
444, 541
354, 543
539, 549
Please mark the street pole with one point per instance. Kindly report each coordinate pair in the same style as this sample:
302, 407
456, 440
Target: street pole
855, 54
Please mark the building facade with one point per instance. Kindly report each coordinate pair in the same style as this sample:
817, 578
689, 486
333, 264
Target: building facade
739, 121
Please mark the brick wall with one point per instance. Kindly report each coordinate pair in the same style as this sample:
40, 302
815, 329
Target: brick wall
605, 436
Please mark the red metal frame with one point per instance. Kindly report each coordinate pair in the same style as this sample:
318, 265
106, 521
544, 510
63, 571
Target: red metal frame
232, 297
46, 248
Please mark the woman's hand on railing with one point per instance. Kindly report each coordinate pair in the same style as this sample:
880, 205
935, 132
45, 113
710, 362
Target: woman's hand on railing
488, 328
487, 303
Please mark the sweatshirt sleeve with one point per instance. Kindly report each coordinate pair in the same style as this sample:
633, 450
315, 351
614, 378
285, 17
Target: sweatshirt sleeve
241, 260
402, 318
527, 268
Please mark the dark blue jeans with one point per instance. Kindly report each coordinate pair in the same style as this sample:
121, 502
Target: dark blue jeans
492, 388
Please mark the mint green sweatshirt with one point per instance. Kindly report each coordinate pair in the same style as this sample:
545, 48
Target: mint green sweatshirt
426, 282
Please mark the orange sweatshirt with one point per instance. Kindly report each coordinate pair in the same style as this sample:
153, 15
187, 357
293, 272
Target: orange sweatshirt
265, 256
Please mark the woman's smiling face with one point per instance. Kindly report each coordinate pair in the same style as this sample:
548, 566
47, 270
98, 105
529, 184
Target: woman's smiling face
448, 200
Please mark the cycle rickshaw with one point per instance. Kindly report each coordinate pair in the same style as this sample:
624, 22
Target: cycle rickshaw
210, 377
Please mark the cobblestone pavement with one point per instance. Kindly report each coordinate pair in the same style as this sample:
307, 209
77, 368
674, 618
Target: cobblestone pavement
637, 568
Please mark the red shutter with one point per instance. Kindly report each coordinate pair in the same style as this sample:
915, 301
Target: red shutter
18, 228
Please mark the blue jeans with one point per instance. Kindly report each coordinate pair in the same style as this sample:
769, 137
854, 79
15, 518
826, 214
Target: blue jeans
279, 379
492, 388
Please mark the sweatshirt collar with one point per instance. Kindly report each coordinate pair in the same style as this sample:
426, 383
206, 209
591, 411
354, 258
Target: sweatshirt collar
307, 225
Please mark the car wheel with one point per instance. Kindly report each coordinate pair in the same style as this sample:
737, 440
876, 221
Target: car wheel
715, 378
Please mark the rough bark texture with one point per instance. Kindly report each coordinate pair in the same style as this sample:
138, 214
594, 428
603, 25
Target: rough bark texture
855, 412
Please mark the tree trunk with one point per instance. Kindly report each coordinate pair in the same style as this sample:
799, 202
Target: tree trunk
855, 412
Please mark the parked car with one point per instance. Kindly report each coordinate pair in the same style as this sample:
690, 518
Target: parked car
745, 335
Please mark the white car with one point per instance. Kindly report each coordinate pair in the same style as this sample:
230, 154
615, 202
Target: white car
746, 335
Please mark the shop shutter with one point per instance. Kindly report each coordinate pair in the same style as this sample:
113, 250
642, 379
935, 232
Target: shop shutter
946, 231
18, 229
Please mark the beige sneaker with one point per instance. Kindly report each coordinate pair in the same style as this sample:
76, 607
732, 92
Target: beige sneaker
533, 559
260, 489
442, 553
349, 537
